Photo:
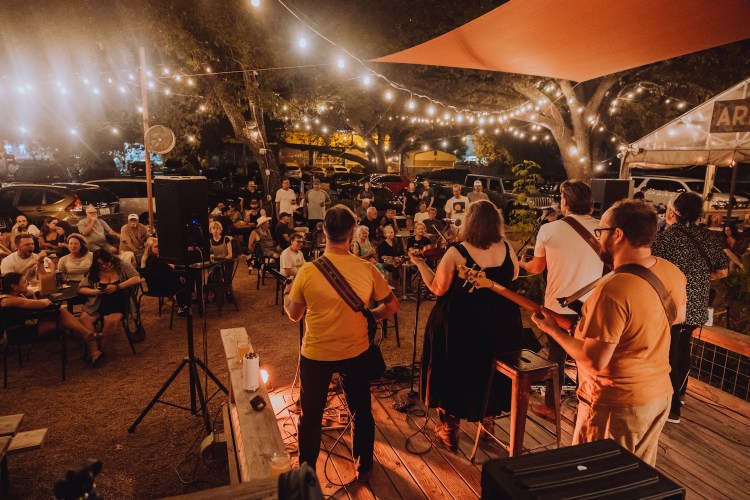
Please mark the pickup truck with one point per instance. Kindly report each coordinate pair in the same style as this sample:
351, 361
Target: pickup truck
500, 192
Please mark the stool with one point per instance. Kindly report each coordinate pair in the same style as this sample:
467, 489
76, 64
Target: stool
395, 326
523, 368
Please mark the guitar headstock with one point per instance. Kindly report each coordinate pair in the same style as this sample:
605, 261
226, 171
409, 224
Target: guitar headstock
476, 277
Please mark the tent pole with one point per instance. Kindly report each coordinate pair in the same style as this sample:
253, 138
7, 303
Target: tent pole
708, 184
624, 166
731, 191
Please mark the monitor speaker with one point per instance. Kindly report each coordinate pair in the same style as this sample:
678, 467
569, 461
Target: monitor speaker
607, 191
182, 224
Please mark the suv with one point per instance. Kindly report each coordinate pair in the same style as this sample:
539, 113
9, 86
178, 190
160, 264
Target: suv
396, 183
660, 189
292, 171
41, 172
66, 202
132, 193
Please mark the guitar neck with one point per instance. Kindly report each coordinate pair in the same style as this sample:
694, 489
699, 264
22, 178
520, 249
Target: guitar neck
562, 321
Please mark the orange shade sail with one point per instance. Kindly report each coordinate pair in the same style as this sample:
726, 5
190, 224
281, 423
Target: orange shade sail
580, 40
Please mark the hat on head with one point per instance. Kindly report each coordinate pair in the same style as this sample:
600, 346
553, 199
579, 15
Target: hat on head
263, 219
133, 217
477, 183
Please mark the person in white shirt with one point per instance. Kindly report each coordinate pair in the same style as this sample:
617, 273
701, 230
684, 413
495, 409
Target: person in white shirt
77, 263
422, 215
286, 199
23, 260
292, 258
455, 208
316, 201
571, 264
22, 226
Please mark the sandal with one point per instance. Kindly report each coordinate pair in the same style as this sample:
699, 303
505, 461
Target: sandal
93, 336
95, 358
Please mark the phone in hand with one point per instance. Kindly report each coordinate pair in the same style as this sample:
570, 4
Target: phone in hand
103, 286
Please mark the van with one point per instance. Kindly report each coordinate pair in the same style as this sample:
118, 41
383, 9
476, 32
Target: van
132, 193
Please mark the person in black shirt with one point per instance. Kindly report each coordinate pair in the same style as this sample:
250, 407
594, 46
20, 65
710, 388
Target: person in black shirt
389, 220
283, 231
428, 194
225, 219
432, 225
158, 272
372, 223
416, 243
249, 194
411, 205
366, 192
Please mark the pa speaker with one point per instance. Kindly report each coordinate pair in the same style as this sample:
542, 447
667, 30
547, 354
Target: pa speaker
607, 191
182, 225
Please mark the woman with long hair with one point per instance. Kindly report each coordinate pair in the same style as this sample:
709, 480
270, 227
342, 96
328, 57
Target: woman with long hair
361, 246
734, 246
366, 192
77, 263
466, 331
105, 286
52, 236
157, 270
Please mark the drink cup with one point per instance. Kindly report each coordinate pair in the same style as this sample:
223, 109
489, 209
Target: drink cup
243, 347
279, 463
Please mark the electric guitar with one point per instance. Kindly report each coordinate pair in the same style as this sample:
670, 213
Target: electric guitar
478, 279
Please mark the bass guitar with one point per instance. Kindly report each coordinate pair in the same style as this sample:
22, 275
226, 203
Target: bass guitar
478, 279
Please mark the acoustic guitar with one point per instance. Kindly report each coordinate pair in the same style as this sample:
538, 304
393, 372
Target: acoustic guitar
478, 279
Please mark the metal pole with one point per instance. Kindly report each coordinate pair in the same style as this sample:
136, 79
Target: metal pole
144, 105
732, 187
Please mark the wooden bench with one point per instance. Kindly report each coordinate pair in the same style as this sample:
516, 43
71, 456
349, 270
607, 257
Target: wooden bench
253, 437
13, 442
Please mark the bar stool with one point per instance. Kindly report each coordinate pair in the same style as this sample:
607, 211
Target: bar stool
384, 327
523, 368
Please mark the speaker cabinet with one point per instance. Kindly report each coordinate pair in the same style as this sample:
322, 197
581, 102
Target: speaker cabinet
182, 223
607, 191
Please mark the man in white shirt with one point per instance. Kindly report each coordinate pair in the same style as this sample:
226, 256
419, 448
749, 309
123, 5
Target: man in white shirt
292, 259
455, 208
23, 260
571, 264
316, 201
422, 215
286, 199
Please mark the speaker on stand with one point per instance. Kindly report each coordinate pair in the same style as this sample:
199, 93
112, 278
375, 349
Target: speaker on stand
607, 191
182, 225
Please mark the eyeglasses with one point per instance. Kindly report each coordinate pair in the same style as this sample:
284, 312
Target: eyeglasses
599, 230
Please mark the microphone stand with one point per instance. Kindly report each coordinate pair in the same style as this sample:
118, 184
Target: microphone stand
412, 392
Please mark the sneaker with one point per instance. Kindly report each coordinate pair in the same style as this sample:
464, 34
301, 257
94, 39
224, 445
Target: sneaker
673, 418
682, 399
541, 410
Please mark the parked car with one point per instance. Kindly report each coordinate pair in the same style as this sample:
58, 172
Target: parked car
342, 180
39, 171
132, 193
8, 214
101, 170
66, 202
318, 173
292, 171
339, 169
660, 189
396, 183
384, 199
447, 176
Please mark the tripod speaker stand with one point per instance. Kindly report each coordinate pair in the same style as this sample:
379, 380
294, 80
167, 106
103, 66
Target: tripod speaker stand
196, 389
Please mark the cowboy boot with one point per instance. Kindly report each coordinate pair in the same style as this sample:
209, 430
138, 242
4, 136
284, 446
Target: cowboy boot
446, 432
488, 424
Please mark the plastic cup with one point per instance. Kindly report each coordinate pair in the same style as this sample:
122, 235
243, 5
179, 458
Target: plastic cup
279, 463
243, 347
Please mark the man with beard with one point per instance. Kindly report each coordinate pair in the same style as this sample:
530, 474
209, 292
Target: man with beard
621, 343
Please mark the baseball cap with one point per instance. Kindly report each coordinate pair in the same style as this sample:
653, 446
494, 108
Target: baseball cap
477, 183
284, 214
133, 217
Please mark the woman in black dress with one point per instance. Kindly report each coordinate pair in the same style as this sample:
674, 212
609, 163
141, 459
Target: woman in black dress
466, 331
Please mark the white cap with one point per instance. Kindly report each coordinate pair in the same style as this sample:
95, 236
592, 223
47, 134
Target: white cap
133, 217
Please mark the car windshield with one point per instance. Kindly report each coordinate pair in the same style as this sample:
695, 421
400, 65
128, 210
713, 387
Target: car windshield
697, 186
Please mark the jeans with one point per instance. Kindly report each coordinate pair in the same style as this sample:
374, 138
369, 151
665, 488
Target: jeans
679, 361
315, 376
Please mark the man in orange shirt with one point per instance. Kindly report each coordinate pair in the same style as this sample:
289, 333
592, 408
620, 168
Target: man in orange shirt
621, 344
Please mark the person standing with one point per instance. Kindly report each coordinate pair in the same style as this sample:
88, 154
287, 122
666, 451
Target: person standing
336, 339
366, 192
478, 193
621, 343
249, 194
286, 199
96, 230
20, 227
316, 201
699, 256
428, 194
410, 205
133, 236
455, 208
571, 261
466, 330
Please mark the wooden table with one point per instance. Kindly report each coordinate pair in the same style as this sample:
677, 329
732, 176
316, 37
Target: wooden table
252, 436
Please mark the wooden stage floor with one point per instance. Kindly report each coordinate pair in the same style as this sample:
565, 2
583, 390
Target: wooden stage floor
707, 452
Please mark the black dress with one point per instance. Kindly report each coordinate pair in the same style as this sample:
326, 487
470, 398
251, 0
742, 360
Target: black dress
464, 332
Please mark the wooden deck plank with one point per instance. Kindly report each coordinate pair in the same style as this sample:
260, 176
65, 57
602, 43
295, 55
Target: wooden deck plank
9, 424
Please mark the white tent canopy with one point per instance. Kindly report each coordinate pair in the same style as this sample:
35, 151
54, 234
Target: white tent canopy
689, 139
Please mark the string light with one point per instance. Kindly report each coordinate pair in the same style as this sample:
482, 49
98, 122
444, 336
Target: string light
302, 42
255, 3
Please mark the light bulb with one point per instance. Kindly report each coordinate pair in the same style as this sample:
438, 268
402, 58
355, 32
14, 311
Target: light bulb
341, 63
389, 95
302, 42
411, 104
255, 3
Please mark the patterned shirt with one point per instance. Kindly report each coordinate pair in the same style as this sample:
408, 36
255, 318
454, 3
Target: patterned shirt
674, 245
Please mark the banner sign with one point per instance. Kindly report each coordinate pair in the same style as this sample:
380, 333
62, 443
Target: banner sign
731, 116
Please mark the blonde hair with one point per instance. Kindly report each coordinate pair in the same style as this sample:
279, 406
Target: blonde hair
215, 223
359, 230
148, 249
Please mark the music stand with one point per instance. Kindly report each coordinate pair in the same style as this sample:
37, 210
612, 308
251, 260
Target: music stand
193, 364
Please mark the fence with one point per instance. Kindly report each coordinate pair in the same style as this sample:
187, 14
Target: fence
721, 358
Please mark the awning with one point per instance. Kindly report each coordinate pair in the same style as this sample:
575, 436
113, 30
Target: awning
583, 39
698, 137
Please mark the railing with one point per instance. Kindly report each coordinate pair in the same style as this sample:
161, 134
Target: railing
721, 358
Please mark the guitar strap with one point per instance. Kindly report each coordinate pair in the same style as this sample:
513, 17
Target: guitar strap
666, 300
342, 287
583, 233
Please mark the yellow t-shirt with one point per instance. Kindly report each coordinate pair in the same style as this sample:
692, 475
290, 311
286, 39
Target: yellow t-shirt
627, 311
333, 330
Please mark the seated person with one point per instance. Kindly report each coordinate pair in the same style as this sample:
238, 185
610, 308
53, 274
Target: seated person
422, 215
77, 263
283, 231
361, 211
371, 222
415, 244
217, 211
225, 220
22, 226
23, 260
16, 297
263, 236
239, 227
292, 258
388, 220
52, 237
253, 213
361, 245
389, 251
133, 236
104, 286
96, 230
171, 281
432, 224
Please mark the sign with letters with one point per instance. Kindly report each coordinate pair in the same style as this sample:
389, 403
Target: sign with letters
731, 116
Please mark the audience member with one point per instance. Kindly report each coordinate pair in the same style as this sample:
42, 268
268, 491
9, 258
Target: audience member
158, 270
262, 235
23, 260
410, 205
52, 236
432, 224
77, 263
282, 231
253, 213
428, 194
366, 192
286, 199
316, 201
478, 193
416, 243
292, 258
734, 246
423, 214
133, 236
388, 220
361, 211
455, 208
361, 245
371, 221
249, 194
96, 230
22, 226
